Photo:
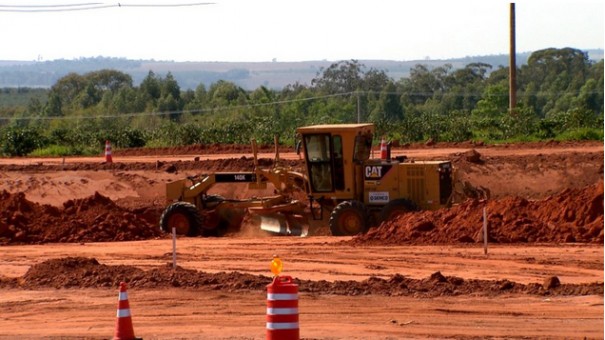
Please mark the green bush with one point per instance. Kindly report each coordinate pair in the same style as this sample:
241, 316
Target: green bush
20, 141
53, 151
581, 134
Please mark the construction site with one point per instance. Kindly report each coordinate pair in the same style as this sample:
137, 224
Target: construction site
73, 229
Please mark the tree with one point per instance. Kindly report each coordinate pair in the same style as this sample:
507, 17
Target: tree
388, 109
109, 80
151, 86
90, 96
124, 100
224, 93
494, 101
463, 87
54, 105
169, 86
340, 77
423, 84
551, 74
587, 105
68, 88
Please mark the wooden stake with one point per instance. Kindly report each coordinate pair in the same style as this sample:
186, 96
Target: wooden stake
484, 231
174, 248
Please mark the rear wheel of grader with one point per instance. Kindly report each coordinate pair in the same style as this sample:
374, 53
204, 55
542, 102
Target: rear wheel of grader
182, 216
396, 208
349, 218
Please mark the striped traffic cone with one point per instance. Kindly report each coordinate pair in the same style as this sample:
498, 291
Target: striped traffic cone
124, 330
383, 149
108, 158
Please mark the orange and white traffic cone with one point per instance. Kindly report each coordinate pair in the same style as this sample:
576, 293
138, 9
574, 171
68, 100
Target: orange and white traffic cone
124, 329
108, 152
383, 149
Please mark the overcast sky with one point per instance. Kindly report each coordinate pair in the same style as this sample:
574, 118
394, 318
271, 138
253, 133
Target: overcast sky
285, 30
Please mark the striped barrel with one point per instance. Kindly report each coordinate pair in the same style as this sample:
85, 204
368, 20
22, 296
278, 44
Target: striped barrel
282, 309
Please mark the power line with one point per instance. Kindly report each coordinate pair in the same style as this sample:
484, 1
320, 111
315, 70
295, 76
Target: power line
171, 113
64, 9
88, 6
52, 6
225, 108
168, 5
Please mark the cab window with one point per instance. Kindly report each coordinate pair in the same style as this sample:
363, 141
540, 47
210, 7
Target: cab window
363, 148
339, 168
319, 162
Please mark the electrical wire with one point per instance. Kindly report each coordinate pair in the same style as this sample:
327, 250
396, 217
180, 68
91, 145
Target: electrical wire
87, 6
168, 5
209, 110
51, 6
66, 9
171, 113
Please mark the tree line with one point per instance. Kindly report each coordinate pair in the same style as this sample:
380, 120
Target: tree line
560, 96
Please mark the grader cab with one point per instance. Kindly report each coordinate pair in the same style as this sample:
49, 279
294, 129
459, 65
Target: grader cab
360, 191
340, 178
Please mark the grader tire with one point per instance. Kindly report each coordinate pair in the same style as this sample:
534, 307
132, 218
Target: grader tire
183, 216
349, 218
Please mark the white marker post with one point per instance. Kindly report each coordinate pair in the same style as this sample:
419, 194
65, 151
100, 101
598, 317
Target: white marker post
484, 231
174, 248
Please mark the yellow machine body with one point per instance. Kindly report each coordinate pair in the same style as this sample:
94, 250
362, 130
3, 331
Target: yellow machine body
339, 176
339, 168
424, 183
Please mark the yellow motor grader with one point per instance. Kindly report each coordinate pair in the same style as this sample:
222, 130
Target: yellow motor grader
339, 178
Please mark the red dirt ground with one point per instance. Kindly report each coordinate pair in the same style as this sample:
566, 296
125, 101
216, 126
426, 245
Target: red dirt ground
535, 194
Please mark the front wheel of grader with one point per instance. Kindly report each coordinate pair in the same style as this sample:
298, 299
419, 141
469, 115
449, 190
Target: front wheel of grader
349, 218
183, 216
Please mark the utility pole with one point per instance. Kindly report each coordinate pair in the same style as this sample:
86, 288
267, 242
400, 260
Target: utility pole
512, 68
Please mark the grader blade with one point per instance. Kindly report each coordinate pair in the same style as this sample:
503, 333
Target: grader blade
284, 224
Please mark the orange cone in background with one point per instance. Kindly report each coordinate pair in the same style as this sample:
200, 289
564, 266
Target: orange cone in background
124, 330
108, 152
383, 149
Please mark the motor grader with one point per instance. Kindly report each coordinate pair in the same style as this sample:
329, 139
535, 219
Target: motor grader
340, 179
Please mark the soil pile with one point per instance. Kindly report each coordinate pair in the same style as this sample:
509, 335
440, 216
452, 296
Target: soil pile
92, 219
214, 148
209, 165
88, 272
574, 215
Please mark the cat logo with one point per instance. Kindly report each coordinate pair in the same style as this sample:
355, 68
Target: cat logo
376, 171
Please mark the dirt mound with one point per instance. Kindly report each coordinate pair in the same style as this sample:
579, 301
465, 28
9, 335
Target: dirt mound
86, 272
481, 144
210, 165
471, 156
199, 149
92, 219
574, 215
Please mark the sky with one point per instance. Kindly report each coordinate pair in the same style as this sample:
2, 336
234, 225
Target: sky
295, 30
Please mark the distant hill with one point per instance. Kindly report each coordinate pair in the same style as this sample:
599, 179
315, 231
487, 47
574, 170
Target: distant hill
248, 75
